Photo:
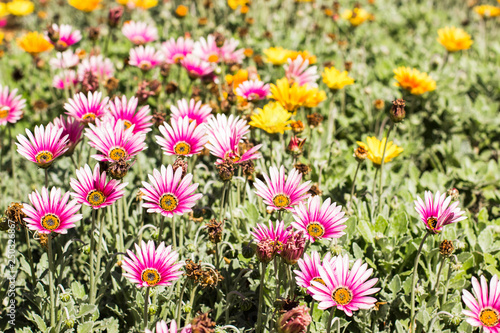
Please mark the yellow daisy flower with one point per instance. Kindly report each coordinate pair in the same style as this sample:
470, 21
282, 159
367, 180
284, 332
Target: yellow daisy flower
375, 149
454, 39
85, 5
487, 11
305, 55
335, 79
234, 4
356, 17
290, 97
145, 4
277, 55
3, 10
411, 79
20, 7
273, 118
34, 43
315, 96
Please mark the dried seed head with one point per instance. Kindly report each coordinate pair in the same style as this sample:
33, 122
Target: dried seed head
226, 170
193, 270
398, 113
180, 163
360, 154
446, 248
202, 324
118, 169
94, 33
304, 169
248, 168
111, 84
171, 87
314, 119
214, 229
15, 214
314, 190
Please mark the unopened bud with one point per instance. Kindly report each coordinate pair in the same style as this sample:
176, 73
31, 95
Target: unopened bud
398, 113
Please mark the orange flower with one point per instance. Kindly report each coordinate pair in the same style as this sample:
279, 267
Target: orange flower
181, 11
411, 79
85, 5
34, 43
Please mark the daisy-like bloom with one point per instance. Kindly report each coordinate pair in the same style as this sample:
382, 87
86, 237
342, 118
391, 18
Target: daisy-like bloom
182, 138
234, 4
67, 36
411, 79
297, 71
235, 125
356, 17
66, 79
92, 189
181, 11
375, 149
11, 106
335, 79
454, 39
169, 193
207, 49
273, 118
176, 50
438, 212
66, 59
150, 266
20, 7
196, 67
128, 113
144, 4
314, 96
72, 128
281, 192
195, 111
484, 306
44, 147
101, 67
347, 289
139, 33
85, 5
487, 11
86, 109
309, 269
229, 54
34, 43
50, 212
318, 220
305, 55
278, 234
277, 55
252, 90
290, 97
114, 141
145, 58
162, 327
241, 76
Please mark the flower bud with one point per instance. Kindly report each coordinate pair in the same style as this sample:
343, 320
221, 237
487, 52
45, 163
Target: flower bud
360, 154
152, 309
295, 320
293, 249
248, 251
266, 250
296, 146
114, 16
65, 297
69, 323
398, 113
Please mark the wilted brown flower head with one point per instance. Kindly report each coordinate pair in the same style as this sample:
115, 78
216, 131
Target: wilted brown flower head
360, 154
398, 112
14, 213
202, 21
43, 239
114, 16
171, 87
180, 163
165, 69
214, 229
90, 82
194, 271
40, 105
202, 324
119, 169
259, 61
304, 169
111, 84
446, 248
52, 34
295, 321
453, 192
248, 167
158, 118
17, 74
94, 33
219, 38
144, 92
314, 119
314, 190
210, 278
348, 65
226, 170
266, 250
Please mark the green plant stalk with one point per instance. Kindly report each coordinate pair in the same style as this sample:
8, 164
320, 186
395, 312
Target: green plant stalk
179, 306
146, 303
433, 321
436, 286
261, 299
191, 303
30, 257
223, 201
330, 318
47, 178
51, 282
382, 168
374, 187
174, 234
445, 293
92, 246
311, 311
353, 185
98, 261
120, 226
161, 228
414, 282
12, 160
276, 278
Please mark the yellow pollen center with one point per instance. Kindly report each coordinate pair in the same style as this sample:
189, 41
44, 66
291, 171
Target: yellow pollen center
145, 65
50, 222
138, 40
320, 280
4, 111
315, 229
44, 157
236, 158
281, 200
278, 246
489, 317
178, 58
342, 296
213, 58
432, 223
127, 124
151, 276
117, 153
96, 198
88, 117
182, 148
168, 202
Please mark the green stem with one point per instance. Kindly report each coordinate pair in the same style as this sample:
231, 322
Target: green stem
276, 278
91, 255
120, 226
436, 286
47, 178
174, 234
382, 168
161, 228
330, 318
98, 262
414, 282
191, 304
311, 311
433, 321
374, 187
146, 304
261, 298
179, 307
51, 282
353, 185
30, 257
445, 293
222, 202
12, 160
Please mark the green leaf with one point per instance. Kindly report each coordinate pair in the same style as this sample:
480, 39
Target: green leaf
358, 252
381, 224
395, 285
40, 323
78, 290
485, 240
86, 309
399, 225
365, 230
85, 327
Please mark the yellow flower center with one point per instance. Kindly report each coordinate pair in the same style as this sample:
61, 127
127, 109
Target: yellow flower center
168, 202
151, 276
127, 124
50, 222
182, 148
4, 112
278, 246
178, 58
88, 117
145, 65
138, 40
117, 153
320, 280
432, 222
281, 200
342, 296
95, 198
489, 317
213, 58
315, 229
44, 157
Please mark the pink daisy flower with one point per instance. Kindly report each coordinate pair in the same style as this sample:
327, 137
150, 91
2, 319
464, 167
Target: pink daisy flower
11, 106
207, 49
44, 147
195, 67
282, 192
319, 221
176, 50
114, 141
345, 289
66, 80
252, 90
91, 188
297, 71
50, 212
309, 269
484, 306
86, 109
145, 58
229, 53
127, 111
101, 67
279, 235
169, 193
182, 137
195, 111
162, 327
66, 59
67, 36
436, 213
235, 124
150, 266
72, 128
139, 33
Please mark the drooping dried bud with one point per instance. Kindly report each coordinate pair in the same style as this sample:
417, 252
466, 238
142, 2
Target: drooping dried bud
297, 126
180, 163
453, 192
266, 250
214, 229
114, 16
165, 69
248, 167
202, 324
118, 169
226, 170
158, 118
398, 113
295, 321
446, 248
219, 39
193, 271
90, 82
52, 34
296, 146
210, 278
171, 88
304, 169
293, 249
314, 119
15, 214
94, 33
111, 84
314, 190
360, 154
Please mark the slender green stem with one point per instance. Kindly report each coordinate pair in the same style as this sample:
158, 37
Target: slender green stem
276, 278
261, 299
92, 247
179, 306
414, 282
174, 234
311, 311
47, 178
146, 304
436, 286
372, 211
382, 168
217, 260
121, 246
330, 318
223, 202
436, 317
30, 257
161, 228
353, 185
98, 261
445, 293
13, 160
191, 304
51, 282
